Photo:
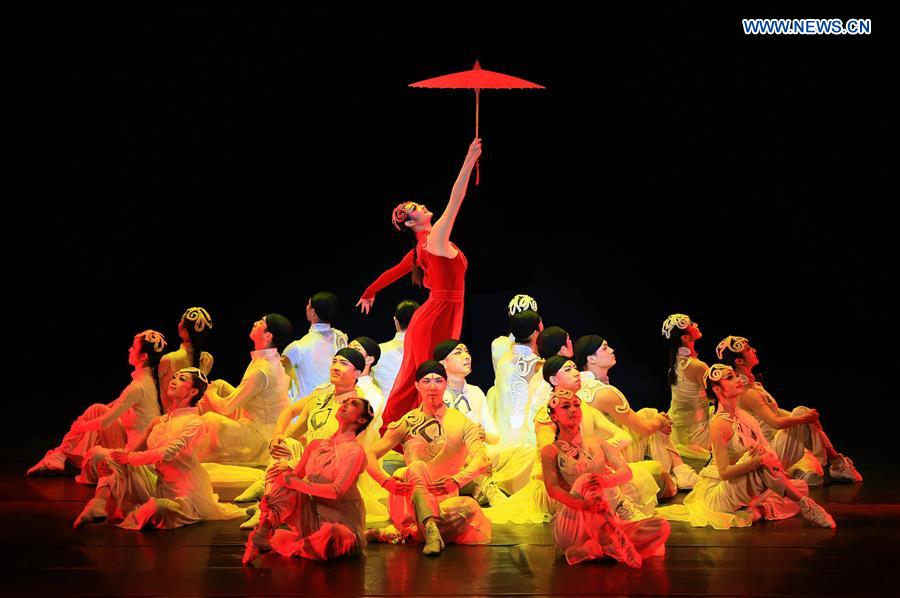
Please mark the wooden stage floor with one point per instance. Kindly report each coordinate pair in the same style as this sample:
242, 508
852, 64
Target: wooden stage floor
786, 558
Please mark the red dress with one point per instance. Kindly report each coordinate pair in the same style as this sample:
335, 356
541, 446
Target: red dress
439, 318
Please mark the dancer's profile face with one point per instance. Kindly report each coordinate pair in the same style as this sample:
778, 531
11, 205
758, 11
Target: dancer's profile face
751, 359
567, 350
136, 356
605, 356
459, 362
418, 214
342, 372
568, 378
692, 332
431, 388
259, 331
183, 333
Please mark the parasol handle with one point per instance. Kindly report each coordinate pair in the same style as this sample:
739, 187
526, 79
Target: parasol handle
477, 162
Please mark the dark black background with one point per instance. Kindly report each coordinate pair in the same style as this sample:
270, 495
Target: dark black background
243, 161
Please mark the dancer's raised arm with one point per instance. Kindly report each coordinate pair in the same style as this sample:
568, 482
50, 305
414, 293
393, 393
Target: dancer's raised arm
439, 238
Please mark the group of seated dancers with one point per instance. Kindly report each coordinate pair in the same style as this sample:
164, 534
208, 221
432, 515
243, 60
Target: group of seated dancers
552, 441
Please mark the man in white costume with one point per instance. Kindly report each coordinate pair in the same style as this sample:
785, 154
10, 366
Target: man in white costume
649, 429
385, 371
310, 356
240, 420
510, 466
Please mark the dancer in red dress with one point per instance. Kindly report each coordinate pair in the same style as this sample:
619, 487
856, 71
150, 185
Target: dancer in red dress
438, 265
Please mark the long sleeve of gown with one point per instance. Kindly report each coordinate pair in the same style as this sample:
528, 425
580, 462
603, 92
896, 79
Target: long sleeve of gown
253, 383
171, 449
617, 462
390, 276
129, 397
166, 373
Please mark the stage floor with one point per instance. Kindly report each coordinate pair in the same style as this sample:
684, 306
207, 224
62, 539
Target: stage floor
784, 558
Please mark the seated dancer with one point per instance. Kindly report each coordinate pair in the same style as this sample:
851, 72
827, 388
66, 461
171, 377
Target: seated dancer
639, 495
310, 356
514, 371
689, 411
745, 481
583, 475
385, 372
502, 344
318, 498
240, 420
532, 504
551, 341
648, 428
510, 466
193, 329
443, 452
797, 436
159, 483
315, 418
117, 425
438, 265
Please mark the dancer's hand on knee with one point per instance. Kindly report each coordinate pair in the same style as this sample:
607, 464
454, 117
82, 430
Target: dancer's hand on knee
120, 457
605, 481
665, 425
278, 450
443, 485
397, 487
103, 468
592, 484
770, 462
275, 473
812, 417
597, 504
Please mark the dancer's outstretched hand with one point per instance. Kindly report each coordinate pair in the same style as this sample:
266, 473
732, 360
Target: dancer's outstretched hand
398, 488
365, 305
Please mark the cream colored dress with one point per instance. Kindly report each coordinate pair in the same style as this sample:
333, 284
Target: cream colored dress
165, 486
583, 535
723, 504
689, 410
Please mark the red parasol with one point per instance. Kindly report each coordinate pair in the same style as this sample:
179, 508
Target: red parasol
476, 79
